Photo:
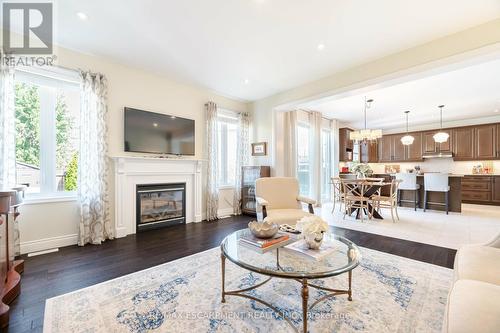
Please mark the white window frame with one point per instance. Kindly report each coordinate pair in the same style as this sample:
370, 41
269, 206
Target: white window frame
48, 80
306, 125
224, 118
328, 132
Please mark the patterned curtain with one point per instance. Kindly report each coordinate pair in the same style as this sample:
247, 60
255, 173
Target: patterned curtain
212, 151
242, 157
95, 223
8, 137
316, 121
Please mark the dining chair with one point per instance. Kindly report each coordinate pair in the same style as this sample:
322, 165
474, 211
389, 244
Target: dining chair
409, 183
436, 182
390, 201
338, 194
354, 197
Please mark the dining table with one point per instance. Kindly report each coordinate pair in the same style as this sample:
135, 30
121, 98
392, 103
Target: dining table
369, 189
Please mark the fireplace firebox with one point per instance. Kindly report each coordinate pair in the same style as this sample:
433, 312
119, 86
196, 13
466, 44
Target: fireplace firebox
160, 205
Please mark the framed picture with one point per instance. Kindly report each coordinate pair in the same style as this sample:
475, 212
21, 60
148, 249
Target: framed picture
259, 149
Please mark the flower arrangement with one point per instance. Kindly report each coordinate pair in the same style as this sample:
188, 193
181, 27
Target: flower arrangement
362, 170
312, 229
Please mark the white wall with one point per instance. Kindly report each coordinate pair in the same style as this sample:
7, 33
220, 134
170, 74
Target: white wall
55, 224
446, 51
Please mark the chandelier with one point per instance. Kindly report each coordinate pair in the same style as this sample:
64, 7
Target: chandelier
365, 134
441, 136
407, 139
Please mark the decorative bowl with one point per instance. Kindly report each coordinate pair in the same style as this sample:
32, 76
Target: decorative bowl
263, 229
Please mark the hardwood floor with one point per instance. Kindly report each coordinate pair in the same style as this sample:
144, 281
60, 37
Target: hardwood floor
76, 267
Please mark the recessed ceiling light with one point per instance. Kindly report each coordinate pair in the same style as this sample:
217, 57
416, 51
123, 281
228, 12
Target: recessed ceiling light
172, 117
246, 81
321, 47
155, 125
496, 110
82, 16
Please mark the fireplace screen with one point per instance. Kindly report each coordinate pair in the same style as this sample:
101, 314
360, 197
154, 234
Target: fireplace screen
160, 205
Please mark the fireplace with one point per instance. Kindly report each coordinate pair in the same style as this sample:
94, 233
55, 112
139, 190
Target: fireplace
160, 205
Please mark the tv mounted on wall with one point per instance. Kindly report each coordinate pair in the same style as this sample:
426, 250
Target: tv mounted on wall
157, 133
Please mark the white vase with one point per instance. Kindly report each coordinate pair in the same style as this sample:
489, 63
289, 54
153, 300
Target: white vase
314, 239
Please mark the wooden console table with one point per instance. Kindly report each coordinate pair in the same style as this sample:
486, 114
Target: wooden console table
10, 269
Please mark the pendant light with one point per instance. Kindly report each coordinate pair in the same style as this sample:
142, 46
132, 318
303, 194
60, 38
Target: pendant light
407, 139
366, 134
441, 136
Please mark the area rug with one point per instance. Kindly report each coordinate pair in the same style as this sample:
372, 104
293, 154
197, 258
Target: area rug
390, 294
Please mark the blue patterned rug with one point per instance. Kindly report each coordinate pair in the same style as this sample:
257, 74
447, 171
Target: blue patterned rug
390, 294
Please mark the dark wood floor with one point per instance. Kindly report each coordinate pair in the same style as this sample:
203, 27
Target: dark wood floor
76, 267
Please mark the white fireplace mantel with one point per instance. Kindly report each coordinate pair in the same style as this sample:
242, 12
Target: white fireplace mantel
131, 171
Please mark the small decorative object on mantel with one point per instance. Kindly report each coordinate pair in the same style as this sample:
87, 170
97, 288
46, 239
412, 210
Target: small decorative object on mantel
313, 229
263, 229
259, 149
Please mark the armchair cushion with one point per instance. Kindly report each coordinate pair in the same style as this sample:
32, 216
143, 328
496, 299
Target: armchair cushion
473, 306
478, 262
279, 192
285, 216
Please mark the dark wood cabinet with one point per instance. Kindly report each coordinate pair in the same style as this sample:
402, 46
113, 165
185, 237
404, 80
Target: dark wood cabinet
346, 146
498, 141
485, 139
249, 174
414, 151
368, 152
398, 149
431, 146
463, 143
385, 148
496, 189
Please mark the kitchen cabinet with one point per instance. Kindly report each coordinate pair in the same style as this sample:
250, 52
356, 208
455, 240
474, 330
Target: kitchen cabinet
414, 151
498, 141
398, 149
346, 146
368, 151
463, 141
431, 146
496, 189
385, 148
481, 189
485, 138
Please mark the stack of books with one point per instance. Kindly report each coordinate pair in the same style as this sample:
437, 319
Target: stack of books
264, 245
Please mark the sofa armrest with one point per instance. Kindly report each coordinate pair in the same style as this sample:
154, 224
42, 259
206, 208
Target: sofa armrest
495, 242
308, 201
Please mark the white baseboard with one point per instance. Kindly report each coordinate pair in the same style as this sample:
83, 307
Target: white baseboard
225, 211
48, 243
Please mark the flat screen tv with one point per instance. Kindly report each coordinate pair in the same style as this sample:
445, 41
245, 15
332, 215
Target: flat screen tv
149, 132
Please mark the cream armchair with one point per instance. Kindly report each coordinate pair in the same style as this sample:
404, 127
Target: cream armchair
474, 300
279, 199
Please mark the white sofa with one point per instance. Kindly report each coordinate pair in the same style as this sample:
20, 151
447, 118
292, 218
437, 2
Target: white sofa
474, 300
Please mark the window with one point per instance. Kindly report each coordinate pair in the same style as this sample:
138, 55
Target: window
227, 141
47, 133
326, 164
303, 155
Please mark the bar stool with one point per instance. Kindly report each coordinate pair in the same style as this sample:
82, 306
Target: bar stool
409, 183
436, 182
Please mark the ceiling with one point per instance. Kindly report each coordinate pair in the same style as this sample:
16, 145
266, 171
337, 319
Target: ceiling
251, 49
467, 93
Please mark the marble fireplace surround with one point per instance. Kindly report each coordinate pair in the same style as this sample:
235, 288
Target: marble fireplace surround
131, 171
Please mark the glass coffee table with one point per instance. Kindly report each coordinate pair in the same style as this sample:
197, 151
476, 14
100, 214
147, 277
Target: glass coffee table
288, 264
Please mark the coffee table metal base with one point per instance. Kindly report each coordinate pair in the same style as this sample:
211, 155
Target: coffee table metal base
305, 293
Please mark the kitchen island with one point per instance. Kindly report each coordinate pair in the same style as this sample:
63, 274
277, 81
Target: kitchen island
435, 200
